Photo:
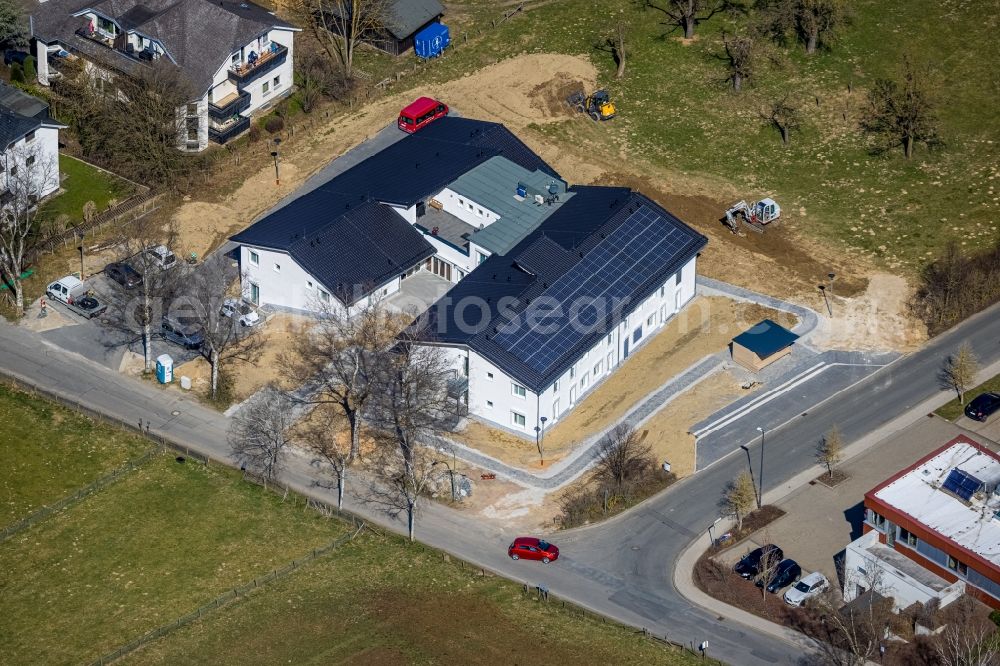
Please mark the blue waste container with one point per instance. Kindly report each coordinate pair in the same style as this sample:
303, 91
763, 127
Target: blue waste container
431, 41
164, 369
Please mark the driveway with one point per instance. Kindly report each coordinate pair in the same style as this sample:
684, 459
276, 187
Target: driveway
820, 521
990, 429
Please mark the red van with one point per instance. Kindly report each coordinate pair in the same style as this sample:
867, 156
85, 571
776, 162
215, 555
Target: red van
423, 111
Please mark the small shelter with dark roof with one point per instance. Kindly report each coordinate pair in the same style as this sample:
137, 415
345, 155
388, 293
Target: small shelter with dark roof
762, 345
406, 19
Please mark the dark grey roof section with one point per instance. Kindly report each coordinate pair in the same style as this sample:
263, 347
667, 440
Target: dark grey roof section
18, 101
14, 126
199, 35
408, 16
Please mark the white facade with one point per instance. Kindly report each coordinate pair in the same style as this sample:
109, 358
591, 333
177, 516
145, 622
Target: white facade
495, 396
466, 209
869, 565
31, 164
272, 277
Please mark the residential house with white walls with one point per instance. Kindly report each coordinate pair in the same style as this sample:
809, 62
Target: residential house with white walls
237, 56
30, 140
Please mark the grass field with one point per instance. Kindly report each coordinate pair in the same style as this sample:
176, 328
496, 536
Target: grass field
82, 183
380, 601
954, 409
676, 112
51, 451
154, 546
169, 537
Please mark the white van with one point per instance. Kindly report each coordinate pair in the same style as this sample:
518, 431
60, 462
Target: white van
160, 256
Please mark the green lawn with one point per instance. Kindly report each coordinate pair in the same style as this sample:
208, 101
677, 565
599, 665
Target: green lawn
378, 600
82, 183
51, 451
675, 111
954, 409
158, 544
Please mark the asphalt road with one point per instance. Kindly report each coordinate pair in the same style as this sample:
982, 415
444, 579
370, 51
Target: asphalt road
621, 568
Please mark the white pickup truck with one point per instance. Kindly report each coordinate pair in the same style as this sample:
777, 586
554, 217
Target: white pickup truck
73, 293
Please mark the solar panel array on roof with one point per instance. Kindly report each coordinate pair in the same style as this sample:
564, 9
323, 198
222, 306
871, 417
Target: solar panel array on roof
962, 484
608, 274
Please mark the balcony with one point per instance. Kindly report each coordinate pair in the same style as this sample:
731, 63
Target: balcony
231, 105
228, 131
266, 62
118, 44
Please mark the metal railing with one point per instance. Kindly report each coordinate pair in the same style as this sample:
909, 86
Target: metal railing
236, 106
231, 132
266, 62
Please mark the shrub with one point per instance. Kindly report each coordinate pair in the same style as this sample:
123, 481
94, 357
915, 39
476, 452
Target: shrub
274, 124
254, 134
30, 74
995, 616
16, 73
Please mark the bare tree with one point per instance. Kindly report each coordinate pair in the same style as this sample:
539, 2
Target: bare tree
814, 23
27, 173
259, 433
854, 633
740, 58
412, 405
959, 371
969, 639
956, 285
340, 25
739, 498
902, 112
614, 41
783, 115
138, 306
133, 123
622, 458
340, 358
766, 568
330, 455
200, 296
686, 14
830, 450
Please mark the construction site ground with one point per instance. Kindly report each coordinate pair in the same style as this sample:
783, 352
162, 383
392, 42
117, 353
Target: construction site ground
704, 327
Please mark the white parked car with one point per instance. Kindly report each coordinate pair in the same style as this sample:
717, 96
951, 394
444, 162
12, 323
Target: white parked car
161, 257
807, 588
248, 316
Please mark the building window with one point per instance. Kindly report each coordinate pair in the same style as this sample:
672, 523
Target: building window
479, 212
309, 284
276, 83
611, 361
584, 380
461, 202
277, 268
518, 390
324, 296
555, 386
470, 206
555, 408
597, 369
876, 521
266, 89
572, 371
907, 537
489, 376
489, 404
610, 336
254, 258
677, 279
663, 291
192, 134
104, 25
192, 109
29, 161
13, 170
637, 334
517, 419
957, 566
651, 320
480, 257
29, 137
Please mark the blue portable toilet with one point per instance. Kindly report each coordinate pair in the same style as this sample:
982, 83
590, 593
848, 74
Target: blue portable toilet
164, 369
431, 41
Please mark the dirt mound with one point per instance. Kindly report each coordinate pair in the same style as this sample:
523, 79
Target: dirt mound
879, 318
550, 96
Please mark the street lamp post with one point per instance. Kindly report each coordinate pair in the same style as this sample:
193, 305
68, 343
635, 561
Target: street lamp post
274, 154
540, 440
711, 537
760, 472
451, 472
750, 467
822, 290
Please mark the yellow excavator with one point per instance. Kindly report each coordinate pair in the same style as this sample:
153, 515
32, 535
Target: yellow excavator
598, 105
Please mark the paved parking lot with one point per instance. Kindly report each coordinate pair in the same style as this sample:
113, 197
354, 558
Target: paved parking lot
821, 521
990, 429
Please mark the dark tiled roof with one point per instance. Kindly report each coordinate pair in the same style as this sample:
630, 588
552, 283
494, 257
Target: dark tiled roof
352, 245
16, 100
407, 16
523, 275
199, 35
766, 338
13, 126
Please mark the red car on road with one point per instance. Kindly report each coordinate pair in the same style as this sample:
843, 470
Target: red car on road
530, 548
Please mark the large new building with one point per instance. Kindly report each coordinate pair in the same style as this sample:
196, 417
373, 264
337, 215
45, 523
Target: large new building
553, 286
932, 530
237, 56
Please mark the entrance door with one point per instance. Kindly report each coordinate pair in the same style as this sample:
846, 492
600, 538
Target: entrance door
572, 395
625, 351
254, 294
677, 300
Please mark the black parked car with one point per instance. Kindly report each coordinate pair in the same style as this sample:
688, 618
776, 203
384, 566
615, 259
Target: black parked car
983, 406
786, 573
749, 565
123, 274
11, 56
